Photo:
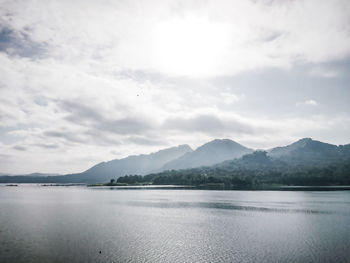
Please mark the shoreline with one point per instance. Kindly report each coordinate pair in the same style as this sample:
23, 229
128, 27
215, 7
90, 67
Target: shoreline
222, 188
192, 187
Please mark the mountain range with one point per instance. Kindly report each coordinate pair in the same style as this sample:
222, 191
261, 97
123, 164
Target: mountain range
136, 164
304, 163
216, 153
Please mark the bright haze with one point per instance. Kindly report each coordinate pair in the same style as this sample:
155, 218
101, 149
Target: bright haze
88, 81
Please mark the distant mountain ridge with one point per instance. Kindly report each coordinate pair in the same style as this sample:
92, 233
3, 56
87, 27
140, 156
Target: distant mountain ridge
135, 164
31, 174
221, 154
104, 171
213, 152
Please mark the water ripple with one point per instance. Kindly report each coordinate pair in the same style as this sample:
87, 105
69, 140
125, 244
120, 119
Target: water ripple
227, 206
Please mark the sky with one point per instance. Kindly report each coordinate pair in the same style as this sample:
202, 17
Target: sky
87, 81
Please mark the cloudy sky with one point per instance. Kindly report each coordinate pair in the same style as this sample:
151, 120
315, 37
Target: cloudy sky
88, 81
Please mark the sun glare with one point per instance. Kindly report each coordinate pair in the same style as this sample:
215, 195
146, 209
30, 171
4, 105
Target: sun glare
190, 46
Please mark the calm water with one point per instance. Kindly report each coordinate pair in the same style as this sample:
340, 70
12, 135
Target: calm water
72, 224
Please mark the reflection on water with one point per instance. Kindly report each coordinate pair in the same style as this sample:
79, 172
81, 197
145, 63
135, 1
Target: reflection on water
73, 224
223, 206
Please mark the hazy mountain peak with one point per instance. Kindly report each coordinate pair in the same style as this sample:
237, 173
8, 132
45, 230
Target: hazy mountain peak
221, 141
135, 164
210, 153
181, 147
303, 141
219, 144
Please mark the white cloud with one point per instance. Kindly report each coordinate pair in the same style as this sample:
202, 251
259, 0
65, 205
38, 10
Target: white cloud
307, 103
323, 72
194, 39
103, 80
229, 98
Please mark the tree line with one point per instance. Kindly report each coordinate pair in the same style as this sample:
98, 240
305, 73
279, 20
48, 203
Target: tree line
251, 170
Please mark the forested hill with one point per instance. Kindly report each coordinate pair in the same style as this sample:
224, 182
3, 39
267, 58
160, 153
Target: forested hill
306, 162
311, 151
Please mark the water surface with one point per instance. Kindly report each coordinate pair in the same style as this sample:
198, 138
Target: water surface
73, 224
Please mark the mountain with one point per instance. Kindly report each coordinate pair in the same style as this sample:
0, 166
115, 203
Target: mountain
29, 178
104, 171
213, 152
31, 174
309, 150
137, 164
41, 174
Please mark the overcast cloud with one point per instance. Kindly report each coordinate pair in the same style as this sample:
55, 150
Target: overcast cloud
88, 81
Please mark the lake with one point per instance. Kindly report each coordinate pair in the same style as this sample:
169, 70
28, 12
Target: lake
81, 224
